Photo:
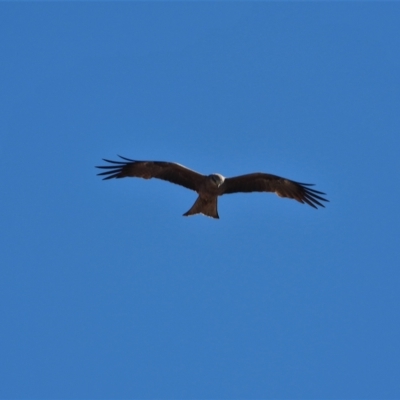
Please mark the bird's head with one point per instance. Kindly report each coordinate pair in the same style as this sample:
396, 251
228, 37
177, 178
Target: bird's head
216, 179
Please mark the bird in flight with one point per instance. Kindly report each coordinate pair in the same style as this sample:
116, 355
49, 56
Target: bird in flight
209, 187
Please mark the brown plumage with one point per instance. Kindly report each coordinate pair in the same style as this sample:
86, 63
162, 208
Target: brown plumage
209, 187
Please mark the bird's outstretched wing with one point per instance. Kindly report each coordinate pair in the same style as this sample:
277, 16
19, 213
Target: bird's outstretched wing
259, 182
167, 171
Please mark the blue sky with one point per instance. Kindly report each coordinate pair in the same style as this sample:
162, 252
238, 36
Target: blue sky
108, 292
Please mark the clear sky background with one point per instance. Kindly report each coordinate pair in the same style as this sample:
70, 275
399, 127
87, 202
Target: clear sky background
106, 291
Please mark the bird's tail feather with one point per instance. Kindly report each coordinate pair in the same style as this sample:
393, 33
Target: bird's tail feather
203, 206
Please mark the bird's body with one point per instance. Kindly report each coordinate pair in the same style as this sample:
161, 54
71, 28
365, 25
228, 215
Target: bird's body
210, 187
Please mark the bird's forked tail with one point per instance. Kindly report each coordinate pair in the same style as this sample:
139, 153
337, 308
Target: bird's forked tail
203, 206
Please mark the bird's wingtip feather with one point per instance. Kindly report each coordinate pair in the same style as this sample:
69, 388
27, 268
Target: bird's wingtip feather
127, 159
